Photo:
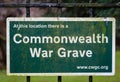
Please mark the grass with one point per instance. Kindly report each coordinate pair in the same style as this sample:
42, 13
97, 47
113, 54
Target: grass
115, 78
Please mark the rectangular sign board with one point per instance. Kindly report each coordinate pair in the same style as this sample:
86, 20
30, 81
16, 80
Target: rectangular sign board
60, 46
